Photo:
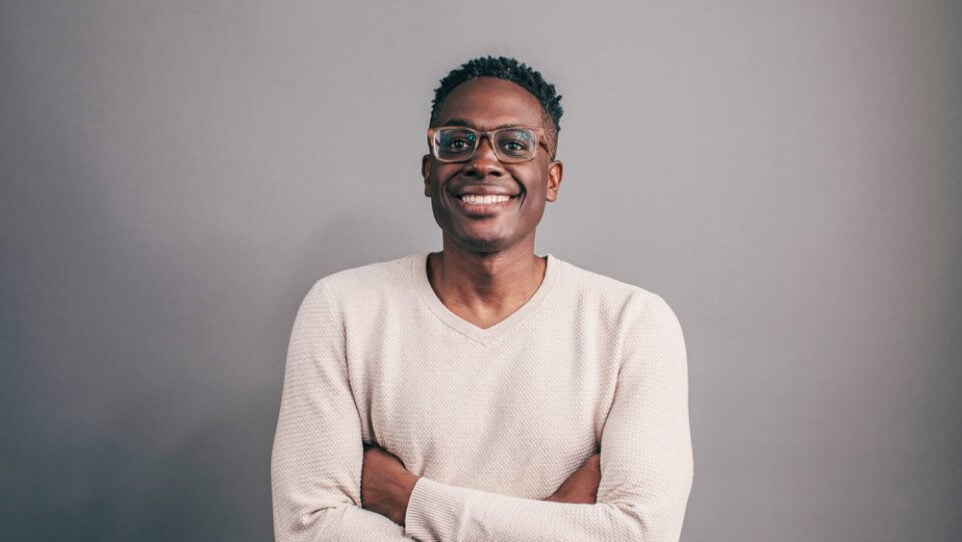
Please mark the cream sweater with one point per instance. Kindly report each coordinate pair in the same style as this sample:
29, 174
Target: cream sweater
491, 419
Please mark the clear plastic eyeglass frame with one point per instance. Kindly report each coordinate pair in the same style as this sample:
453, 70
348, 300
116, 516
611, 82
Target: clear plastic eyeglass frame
536, 132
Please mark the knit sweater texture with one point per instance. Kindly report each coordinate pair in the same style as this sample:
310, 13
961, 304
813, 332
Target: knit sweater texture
493, 420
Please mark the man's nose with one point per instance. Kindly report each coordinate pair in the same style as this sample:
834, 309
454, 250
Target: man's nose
485, 162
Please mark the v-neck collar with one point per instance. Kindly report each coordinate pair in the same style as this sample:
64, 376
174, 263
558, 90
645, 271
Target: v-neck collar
483, 336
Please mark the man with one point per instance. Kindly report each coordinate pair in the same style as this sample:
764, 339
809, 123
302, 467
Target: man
483, 392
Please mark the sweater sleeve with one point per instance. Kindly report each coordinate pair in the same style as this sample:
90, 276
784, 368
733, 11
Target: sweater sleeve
317, 456
646, 460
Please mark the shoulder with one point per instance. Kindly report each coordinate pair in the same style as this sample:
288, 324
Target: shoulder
381, 274
640, 321
608, 296
352, 286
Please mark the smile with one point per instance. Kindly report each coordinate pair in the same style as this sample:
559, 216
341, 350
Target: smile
478, 199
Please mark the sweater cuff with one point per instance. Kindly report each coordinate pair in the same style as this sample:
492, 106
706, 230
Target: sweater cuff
434, 510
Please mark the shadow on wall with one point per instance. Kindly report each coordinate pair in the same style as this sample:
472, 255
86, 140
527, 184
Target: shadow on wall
212, 485
216, 484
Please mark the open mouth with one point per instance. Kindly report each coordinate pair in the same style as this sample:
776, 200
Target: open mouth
478, 199
484, 205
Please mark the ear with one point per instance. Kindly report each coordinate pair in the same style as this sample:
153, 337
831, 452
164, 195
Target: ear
425, 171
555, 172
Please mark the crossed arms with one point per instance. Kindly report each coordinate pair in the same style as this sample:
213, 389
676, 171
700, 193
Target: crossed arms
386, 486
320, 468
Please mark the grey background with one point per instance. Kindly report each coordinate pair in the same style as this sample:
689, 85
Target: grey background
175, 175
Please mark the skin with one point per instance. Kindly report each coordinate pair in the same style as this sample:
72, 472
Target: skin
487, 269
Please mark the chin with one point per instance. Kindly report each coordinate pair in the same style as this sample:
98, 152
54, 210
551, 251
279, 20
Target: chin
484, 245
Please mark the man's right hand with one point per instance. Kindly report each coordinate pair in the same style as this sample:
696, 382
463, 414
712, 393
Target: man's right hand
582, 486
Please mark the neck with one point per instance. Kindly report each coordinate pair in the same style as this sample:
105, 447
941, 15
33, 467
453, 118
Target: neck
485, 288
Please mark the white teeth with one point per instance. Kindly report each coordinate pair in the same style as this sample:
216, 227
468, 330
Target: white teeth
477, 198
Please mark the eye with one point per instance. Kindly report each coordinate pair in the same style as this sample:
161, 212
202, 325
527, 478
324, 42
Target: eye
515, 142
515, 145
455, 141
457, 144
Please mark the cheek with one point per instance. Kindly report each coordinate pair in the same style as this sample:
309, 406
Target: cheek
535, 186
438, 177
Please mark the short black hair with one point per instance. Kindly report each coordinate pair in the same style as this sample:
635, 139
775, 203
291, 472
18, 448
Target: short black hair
508, 69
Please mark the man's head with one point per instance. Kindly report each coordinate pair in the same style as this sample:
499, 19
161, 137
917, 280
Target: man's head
489, 184
507, 69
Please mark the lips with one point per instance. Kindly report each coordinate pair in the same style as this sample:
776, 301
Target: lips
484, 199
483, 192
483, 203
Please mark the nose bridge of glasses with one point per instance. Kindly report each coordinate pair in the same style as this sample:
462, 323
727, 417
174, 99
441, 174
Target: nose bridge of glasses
492, 148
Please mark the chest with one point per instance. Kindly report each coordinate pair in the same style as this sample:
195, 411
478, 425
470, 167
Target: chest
514, 412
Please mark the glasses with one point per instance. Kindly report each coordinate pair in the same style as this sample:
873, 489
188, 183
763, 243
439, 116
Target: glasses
511, 145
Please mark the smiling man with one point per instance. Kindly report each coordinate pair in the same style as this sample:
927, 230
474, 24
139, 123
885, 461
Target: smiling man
484, 392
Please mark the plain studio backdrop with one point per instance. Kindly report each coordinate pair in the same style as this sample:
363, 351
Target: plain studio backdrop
176, 175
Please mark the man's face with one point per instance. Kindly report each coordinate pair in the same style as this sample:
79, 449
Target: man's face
486, 104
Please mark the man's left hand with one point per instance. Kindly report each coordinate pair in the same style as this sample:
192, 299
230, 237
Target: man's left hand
386, 485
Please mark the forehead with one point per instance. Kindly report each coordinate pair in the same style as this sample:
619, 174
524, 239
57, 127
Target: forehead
488, 103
